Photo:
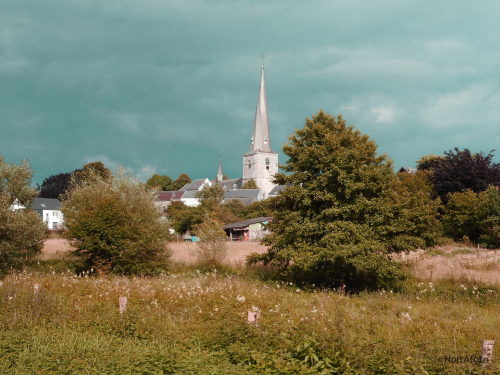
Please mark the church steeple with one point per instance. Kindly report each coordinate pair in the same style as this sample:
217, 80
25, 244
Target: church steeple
220, 174
260, 138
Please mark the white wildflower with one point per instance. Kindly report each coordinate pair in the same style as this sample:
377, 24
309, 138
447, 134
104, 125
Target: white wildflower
240, 298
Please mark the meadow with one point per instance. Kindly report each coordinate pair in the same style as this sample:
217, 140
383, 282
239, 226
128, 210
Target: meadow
194, 321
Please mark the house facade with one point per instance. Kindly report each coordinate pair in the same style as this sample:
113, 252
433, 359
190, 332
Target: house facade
49, 210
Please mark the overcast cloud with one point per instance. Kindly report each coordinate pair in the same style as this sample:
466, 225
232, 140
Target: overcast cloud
167, 86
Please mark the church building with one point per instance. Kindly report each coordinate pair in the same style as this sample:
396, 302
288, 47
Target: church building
260, 163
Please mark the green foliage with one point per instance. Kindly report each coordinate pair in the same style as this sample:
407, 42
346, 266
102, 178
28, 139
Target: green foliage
21, 232
159, 182
210, 198
180, 181
428, 162
475, 216
115, 226
91, 170
182, 217
195, 324
344, 210
212, 246
250, 184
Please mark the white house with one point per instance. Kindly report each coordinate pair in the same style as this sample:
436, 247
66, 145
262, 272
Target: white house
190, 190
50, 211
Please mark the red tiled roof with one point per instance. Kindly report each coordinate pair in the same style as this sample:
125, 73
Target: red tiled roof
164, 196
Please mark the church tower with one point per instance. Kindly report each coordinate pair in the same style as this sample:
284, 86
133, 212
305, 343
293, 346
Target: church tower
260, 163
220, 174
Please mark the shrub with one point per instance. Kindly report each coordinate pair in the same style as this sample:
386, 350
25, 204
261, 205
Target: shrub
474, 216
212, 246
21, 232
115, 226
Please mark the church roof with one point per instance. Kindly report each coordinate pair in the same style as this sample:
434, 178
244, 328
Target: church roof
276, 190
195, 184
242, 193
230, 184
260, 138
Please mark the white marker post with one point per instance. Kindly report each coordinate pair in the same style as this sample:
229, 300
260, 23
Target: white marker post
36, 292
253, 317
123, 301
487, 353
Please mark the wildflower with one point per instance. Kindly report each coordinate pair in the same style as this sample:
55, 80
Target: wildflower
405, 316
240, 298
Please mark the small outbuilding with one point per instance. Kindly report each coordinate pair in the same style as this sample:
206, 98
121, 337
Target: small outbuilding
248, 230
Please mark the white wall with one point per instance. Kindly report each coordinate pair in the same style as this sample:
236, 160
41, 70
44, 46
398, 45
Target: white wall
54, 219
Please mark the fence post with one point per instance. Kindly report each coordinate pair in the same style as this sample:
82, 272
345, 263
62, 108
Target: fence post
487, 353
123, 304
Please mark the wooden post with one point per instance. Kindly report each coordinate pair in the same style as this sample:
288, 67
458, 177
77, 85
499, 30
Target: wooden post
487, 353
253, 317
36, 291
123, 304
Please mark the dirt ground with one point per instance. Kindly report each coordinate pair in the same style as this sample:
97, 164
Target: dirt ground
181, 252
455, 261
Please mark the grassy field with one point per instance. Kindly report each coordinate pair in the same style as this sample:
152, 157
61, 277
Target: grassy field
193, 322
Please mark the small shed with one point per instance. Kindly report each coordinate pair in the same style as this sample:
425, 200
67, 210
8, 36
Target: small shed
247, 230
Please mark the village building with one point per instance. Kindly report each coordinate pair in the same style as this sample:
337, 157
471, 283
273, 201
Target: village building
260, 164
49, 210
248, 230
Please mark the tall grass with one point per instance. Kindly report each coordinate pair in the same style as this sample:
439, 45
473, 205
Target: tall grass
196, 323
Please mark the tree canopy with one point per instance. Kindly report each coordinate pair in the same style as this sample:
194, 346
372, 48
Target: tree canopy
460, 170
343, 211
160, 182
21, 232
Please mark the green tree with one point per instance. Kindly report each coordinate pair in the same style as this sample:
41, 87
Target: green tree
115, 226
428, 162
212, 245
210, 198
250, 184
21, 232
91, 170
180, 181
160, 182
182, 217
261, 208
337, 221
475, 216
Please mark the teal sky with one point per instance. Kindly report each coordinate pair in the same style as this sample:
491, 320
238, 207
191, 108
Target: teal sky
167, 86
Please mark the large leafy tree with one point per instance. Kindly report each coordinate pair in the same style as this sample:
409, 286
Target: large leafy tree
115, 226
339, 217
160, 182
180, 181
54, 186
21, 232
460, 170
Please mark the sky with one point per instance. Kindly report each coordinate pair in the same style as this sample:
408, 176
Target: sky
169, 86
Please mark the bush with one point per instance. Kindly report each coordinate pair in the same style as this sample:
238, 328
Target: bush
212, 246
21, 232
475, 216
344, 210
115, 226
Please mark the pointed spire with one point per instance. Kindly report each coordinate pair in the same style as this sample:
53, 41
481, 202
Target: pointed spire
220, 174
260, 139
